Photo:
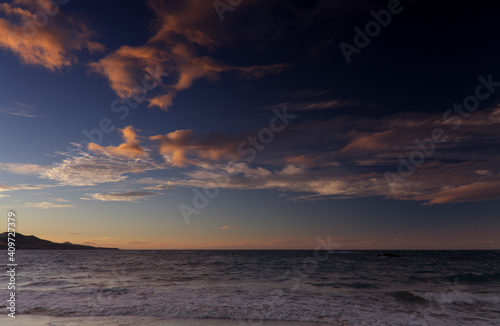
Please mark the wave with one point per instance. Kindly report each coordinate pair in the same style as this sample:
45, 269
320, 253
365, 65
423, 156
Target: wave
409, 297
184, 303
330, 306
352, 285
48, 283
112, 291
474, 277
451, 297
446, 297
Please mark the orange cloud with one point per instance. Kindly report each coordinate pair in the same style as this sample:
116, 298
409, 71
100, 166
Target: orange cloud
228, 227
126, 67
130, 148
163, 101
191, 68
176, 146
129, 135
181, 30
51, 45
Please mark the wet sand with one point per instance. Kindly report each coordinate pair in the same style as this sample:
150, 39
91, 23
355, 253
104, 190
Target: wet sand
40, 320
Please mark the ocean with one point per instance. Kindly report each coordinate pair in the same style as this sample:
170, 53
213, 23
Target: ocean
232, 287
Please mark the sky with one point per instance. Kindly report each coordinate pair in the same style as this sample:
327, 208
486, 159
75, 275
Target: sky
248, 124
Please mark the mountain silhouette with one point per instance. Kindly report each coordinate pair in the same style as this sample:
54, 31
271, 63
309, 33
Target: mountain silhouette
32, 242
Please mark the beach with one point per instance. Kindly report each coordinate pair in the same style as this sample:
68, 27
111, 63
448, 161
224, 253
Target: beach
40, 320
251, 288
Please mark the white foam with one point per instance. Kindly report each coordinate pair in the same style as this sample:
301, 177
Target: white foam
449, 297
258, 303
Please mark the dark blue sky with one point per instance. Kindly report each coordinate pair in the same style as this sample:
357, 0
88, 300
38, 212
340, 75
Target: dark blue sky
393, 146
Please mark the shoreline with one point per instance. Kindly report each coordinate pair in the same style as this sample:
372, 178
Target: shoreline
45, 320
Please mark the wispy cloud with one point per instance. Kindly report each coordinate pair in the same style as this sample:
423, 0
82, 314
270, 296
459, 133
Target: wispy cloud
140, 243
129, 196
225, 227
47, 205
320, 104
94, 242
476, 191
21, 168
4, 187
157, 187
326, 182
61, 200
462, 168
21, 110
85, 169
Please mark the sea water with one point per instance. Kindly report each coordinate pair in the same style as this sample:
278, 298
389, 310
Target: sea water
229, 287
